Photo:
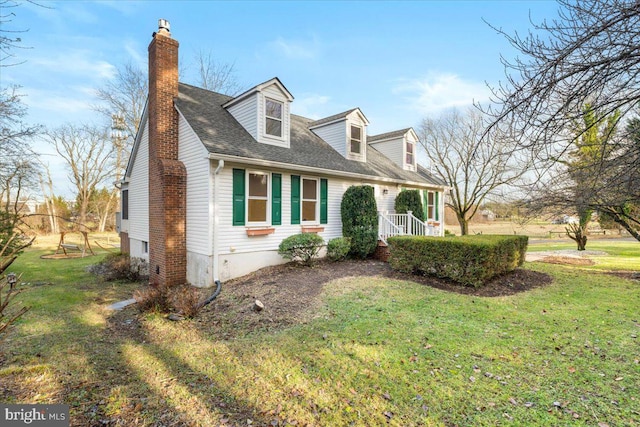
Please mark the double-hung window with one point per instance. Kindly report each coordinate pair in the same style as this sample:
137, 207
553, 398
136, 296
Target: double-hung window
125, 204
356, 140
273, 117
431, 208
257, 197
409, 156
309, 200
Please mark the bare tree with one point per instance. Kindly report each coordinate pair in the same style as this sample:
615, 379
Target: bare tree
215, 75
476, 165
49, 199
125, 97
88, 153
587, 55
103, 204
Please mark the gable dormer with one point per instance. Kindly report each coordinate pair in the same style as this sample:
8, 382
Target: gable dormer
265, 112
346, 132
401, 146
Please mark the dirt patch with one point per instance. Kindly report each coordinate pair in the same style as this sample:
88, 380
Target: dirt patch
291, 293
629, 275
566, 260
67, 256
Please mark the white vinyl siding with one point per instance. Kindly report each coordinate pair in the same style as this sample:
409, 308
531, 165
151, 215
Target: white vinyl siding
235, 239
246, 113
392, 149
199, 208
335, 135
386, 202
139, 190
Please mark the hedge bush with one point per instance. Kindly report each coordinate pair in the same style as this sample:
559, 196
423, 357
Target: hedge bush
301, 247
360, 219
468, 260
409, 200
338, 248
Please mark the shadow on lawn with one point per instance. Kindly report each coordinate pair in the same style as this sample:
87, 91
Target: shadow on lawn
109, 370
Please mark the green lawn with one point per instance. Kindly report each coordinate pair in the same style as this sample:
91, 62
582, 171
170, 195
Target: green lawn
381, 352
621, 255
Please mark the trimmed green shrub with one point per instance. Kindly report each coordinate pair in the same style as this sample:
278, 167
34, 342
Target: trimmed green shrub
360, 220
338, 248
468, 260
301, 247
409, 200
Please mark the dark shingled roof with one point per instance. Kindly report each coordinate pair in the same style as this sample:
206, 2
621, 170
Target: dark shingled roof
329, 119
388, 135
222, 134
429, 177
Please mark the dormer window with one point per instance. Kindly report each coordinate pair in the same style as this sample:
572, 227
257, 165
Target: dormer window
356, 139
409, 157
273, 116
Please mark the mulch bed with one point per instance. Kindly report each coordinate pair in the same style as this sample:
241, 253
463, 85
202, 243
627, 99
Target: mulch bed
566, 260
291, 293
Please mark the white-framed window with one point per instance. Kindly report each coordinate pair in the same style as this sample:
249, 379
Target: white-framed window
431, 205
409, 149
355, 140
257, 197
274, 123
310, 200
145, 247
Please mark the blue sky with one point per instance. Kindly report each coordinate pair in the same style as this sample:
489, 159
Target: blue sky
397, 61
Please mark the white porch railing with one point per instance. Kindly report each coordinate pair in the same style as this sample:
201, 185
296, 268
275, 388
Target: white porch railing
403, 224
387, 228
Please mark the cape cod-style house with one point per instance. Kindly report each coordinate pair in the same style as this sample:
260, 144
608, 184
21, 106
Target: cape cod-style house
215, 183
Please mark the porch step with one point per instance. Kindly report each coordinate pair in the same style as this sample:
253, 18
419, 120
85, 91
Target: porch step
382, 252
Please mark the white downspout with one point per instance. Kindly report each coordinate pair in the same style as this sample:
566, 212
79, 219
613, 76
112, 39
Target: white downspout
216, 221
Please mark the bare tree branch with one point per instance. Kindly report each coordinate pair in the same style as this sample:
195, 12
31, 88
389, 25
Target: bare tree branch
88, 153
474, 164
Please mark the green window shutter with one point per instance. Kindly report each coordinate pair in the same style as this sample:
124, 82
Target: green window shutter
324, 208
437, 206
425, 206
295, 199
238, 197
276, 199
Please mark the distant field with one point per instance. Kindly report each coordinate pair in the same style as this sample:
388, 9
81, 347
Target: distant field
533, 229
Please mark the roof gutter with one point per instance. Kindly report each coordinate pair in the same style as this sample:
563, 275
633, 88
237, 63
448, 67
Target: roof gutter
315, 170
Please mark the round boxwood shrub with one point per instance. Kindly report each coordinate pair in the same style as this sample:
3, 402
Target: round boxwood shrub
301, 247
409, 200
360, 219
338, 248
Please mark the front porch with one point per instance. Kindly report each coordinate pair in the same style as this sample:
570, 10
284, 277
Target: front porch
394, 224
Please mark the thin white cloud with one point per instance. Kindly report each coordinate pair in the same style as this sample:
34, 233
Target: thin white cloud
440, 91
75, 63
297, 49
132, 48
311, 105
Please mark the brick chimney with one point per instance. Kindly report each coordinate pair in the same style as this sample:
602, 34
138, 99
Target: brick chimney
167, 175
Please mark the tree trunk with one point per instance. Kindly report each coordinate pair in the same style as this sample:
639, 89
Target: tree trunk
107, 211
578, 234
464, 226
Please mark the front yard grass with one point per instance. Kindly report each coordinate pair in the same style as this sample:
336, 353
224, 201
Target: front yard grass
381, 352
